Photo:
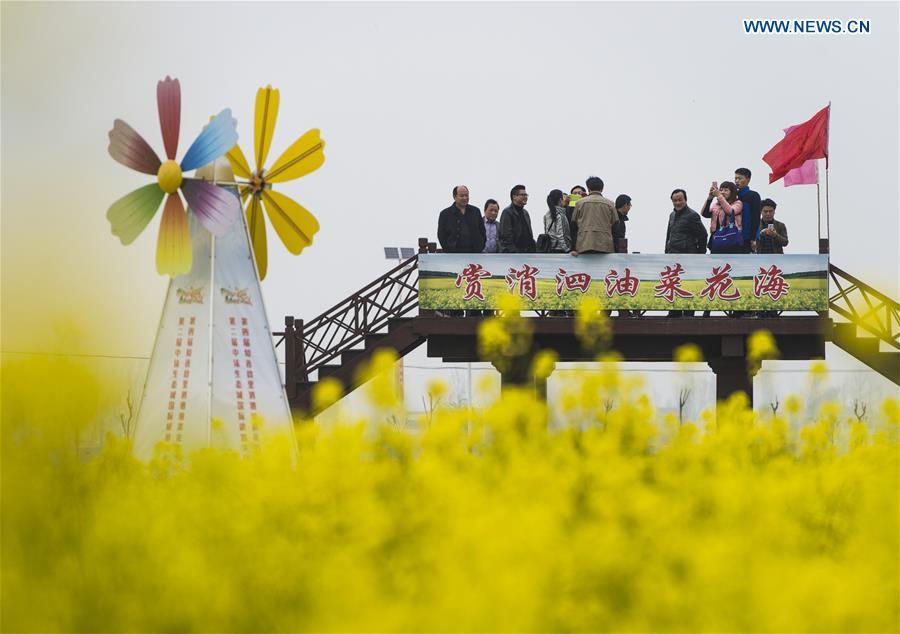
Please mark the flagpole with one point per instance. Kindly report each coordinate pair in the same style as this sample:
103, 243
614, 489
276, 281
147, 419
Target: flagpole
827, 208
819, 206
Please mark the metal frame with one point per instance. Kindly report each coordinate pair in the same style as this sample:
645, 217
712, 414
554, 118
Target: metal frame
865, 307
346, 324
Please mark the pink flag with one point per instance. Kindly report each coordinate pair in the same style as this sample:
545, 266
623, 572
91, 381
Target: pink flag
806, 174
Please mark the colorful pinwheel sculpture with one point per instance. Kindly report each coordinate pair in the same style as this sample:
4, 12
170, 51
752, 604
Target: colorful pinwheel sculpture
213, 206
293, 223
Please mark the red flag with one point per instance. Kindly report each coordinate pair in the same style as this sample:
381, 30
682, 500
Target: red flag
807, 141
806, 174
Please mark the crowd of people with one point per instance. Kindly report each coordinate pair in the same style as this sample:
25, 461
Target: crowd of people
586, 221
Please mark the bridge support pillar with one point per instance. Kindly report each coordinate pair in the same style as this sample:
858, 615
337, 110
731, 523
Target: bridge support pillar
518, 373
540, 388
290, 379
514, 372
732, 376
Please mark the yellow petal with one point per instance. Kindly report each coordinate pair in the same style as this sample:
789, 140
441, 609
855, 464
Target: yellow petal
238, 161
306, 155
256, 224
264, 125
173, 247
294, 224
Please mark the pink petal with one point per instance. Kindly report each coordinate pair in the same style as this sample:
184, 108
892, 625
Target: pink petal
215, 207
131, 150
168, 102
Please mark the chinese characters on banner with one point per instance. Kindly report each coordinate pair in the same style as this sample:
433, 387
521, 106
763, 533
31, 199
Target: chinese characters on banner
769, 282
668, 284
719, 285
624, 285
181, 377
525, 280
472, 275
575, 282
244, 388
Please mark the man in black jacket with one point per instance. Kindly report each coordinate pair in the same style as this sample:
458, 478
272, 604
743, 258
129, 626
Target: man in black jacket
460, 226
686, 234
516, 235
623, 206
751, 208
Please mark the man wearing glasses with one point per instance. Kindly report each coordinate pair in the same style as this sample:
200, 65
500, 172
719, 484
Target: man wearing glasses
516, 235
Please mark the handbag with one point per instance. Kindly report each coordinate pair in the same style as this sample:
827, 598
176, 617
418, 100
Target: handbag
726, 239
543, 244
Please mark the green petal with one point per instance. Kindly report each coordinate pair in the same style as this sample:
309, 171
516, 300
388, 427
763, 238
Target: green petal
129, 215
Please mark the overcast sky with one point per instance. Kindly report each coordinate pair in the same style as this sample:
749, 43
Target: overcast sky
413, 98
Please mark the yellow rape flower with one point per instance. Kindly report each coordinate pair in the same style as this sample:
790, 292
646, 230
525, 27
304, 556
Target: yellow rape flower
592, 326
490, 519
326, 393
544, 363
437, 389
818, 370
688, 353
760, 346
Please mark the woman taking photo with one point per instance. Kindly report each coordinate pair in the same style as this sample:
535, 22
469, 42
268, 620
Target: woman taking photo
724, 211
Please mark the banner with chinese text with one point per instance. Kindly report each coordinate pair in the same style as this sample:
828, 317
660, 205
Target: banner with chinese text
213, 379
174, 406
626, 281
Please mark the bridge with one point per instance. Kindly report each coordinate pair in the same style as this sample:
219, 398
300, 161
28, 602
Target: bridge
385, 314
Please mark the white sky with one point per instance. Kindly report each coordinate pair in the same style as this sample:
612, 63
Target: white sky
413, 98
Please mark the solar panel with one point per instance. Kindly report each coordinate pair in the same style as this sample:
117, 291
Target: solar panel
391, 253
407, 252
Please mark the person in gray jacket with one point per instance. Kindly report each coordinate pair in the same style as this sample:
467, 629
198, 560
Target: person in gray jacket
594, 218
556, 225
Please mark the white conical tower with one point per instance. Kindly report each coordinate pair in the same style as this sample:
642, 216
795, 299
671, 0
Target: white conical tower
213, 379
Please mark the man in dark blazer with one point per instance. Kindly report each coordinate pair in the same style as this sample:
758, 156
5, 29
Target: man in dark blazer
460, 226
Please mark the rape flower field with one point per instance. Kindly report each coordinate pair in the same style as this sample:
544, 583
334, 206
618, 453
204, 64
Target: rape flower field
616, 520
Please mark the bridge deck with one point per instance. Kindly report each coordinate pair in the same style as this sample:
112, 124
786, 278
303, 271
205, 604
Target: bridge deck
342, 339
640, 339
722, 341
